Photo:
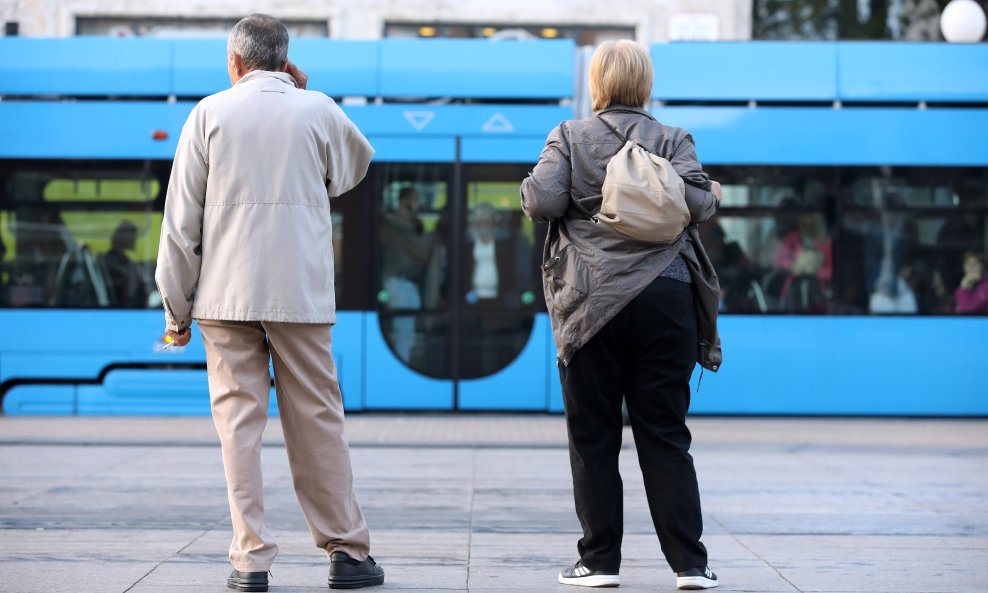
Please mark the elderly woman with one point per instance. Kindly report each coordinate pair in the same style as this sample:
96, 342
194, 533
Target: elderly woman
625, 322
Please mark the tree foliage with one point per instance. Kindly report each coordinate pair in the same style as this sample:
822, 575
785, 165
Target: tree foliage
906, 20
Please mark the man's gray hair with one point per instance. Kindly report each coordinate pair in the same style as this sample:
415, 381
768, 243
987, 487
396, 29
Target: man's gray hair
261, 41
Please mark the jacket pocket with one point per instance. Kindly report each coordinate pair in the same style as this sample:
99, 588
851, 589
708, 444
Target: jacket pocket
566, 281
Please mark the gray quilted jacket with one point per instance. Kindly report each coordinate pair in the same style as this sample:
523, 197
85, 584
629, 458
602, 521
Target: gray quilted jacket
590, 272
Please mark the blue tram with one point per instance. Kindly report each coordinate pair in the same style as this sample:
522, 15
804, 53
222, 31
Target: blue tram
855, 179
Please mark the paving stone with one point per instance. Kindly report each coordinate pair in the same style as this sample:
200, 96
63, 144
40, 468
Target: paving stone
484, 503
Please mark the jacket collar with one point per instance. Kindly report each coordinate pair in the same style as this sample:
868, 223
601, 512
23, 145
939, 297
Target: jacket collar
625, 108
262, 74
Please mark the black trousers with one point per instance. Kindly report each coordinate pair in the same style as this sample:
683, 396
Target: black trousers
646, 355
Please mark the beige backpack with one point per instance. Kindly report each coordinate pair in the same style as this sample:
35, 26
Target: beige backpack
643, 196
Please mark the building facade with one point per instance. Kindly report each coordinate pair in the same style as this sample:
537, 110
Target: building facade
589, 22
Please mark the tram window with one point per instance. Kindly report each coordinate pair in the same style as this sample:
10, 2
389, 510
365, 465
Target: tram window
905, 235
772, 242
79, 239
500, 283
338, 243
775, 187
414, 227
463, 277
771, 263
5, 240
101, 190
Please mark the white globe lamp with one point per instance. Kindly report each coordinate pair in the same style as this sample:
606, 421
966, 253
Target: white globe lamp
963, 21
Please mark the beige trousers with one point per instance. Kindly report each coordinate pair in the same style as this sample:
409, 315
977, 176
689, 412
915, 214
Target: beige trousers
311, 409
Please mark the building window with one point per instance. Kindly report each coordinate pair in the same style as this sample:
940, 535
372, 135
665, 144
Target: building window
181, 27
582, 35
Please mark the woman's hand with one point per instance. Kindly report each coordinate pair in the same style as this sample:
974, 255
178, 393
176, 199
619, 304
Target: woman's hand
970, 280
716, 190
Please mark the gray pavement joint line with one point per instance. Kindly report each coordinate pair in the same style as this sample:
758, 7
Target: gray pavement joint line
473, 498
182, 549
753, 553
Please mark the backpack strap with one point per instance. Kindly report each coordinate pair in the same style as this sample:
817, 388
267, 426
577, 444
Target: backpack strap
624, 139
621, 136
612, 129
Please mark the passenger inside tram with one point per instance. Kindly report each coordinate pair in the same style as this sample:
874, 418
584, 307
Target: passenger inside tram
739, 286
3, 272
972, 295
805, 254
498, 284
960, 235
43, 242
498, 261
406, 250
128, 288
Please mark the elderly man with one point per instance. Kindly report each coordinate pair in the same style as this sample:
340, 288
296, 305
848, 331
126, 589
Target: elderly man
246, 250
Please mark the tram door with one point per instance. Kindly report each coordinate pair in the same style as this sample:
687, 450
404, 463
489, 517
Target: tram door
457, 292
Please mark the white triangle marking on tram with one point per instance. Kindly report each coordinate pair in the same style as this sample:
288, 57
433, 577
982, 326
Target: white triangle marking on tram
498, 123
419, 119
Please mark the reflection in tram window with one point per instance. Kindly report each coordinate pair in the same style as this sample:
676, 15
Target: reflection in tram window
804, 258
483, 321
4, 273
847, 241
499, 279
740, 278
780, 263
41, 243
127, 287
904, 232
79, 239
338, 259
497, 260
772, 244
413, 232
406, 251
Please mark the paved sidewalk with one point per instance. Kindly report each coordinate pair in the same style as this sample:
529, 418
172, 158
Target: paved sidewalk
484, 503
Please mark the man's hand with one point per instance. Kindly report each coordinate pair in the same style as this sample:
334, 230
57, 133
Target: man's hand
181, 338
716, 191
300, 77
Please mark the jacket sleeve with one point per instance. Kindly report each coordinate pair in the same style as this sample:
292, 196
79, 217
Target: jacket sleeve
701, 203
972, 300
348, 154
545, 193
180, 249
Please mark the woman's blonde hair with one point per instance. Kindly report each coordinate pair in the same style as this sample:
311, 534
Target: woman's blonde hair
620, 74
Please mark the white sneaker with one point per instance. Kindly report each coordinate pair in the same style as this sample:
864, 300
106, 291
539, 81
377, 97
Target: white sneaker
696, 578
582, 576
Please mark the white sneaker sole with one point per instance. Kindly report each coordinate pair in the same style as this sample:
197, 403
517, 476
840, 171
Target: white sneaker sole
695, 583
597, 580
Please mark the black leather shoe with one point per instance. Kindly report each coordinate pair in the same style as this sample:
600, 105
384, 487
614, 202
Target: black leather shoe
247, 581
347, 573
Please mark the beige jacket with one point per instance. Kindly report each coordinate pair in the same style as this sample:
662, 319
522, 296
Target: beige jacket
247, 234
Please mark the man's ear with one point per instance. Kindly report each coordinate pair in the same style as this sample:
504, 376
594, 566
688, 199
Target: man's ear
238, 63
284, 67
